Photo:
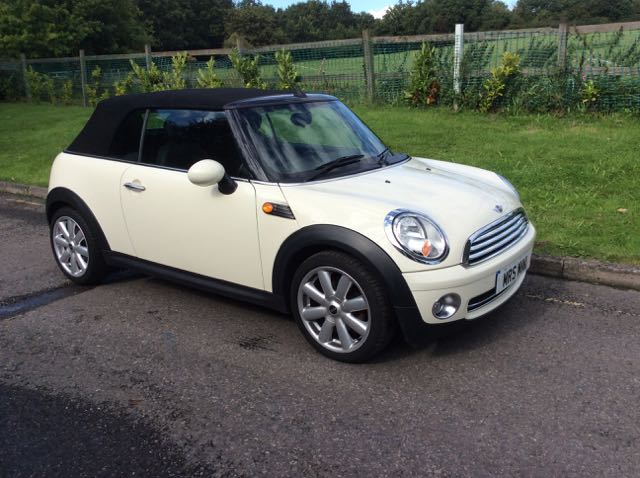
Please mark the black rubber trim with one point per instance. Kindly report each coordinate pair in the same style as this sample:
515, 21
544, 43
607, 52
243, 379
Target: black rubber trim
282, 210
311, 239
60, 197
197, 281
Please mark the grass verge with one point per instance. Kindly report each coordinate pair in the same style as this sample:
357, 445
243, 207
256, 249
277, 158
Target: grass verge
574, 174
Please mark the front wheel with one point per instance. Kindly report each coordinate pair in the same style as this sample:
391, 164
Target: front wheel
341, 307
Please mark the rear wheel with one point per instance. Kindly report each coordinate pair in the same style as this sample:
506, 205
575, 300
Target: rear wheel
341, 307
76, 248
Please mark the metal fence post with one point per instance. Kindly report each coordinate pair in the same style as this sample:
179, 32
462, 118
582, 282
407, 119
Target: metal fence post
27, 90
458, 52
369, 71
147, 56
83, 77
562, 45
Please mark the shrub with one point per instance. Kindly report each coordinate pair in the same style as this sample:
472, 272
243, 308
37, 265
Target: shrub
66, 92
145, 79
424, 87
248, 70
95, 92
207, 77
500, 81
174, 79
123, 86
40, 85
9, 87
288, 76
590, 94
555, 92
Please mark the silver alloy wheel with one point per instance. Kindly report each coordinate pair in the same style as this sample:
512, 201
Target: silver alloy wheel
334, 309
70, 246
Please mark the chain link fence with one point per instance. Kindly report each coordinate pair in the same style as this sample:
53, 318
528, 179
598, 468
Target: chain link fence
555, 64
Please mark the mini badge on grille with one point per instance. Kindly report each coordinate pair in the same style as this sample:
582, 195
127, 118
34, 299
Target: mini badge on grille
498, 208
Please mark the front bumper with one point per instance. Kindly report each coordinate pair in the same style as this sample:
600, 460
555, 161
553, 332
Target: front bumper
471, 283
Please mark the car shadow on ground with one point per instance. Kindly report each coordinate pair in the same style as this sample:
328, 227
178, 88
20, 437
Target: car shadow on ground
459, 337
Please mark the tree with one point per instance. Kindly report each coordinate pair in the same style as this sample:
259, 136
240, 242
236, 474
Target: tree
315, 20
59, 28
255, 23
440, 16
186, 24
400, 19
552, 12
37, 29
108, 25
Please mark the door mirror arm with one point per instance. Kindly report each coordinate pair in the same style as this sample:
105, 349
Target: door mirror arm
227, 185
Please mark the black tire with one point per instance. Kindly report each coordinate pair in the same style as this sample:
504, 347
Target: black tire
96, 268
380, 317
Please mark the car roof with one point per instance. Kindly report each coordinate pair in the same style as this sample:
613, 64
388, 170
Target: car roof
96, 136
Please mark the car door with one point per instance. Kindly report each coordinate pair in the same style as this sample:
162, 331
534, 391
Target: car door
178, 224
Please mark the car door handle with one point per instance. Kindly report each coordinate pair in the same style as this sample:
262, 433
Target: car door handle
134, 186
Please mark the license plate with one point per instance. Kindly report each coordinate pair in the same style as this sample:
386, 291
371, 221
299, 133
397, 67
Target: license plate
509, 275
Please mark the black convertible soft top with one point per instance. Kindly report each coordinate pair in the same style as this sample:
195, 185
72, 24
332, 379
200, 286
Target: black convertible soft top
96, 136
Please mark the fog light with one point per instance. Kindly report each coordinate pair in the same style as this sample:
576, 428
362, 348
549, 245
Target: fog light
446, 306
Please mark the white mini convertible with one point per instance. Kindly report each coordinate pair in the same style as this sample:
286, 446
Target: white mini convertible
289, 201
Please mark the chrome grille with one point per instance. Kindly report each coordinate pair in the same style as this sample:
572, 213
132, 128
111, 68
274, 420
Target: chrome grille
496, 237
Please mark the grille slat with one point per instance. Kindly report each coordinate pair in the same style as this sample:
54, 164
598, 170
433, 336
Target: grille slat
496, 237
510, 227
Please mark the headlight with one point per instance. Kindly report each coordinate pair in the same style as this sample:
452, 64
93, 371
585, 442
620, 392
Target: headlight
416, 236
511, 186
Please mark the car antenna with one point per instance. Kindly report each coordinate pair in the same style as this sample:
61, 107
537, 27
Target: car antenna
298, 92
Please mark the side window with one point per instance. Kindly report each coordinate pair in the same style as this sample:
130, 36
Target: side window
126, 142
179, 138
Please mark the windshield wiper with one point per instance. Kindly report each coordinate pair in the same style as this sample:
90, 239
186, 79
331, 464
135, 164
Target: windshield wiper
382, 155
336, 163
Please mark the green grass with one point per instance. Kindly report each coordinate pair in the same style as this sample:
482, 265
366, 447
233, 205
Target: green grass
32, 135
573, 173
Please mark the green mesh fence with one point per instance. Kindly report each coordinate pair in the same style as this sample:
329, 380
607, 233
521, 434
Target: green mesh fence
609, 62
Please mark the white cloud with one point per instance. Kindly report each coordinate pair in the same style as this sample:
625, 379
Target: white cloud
379, 13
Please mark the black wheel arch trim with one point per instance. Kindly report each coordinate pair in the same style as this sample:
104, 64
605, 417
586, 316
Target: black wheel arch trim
60, 197
304, 242
323, 236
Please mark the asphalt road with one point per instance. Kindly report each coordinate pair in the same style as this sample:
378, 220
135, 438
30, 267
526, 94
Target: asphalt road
140, 377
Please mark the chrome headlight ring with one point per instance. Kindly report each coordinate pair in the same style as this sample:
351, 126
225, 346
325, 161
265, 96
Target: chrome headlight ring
414, 234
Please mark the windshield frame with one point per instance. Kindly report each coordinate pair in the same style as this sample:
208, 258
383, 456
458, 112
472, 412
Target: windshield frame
266, 175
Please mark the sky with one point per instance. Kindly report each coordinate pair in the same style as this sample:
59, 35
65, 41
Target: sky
375, 7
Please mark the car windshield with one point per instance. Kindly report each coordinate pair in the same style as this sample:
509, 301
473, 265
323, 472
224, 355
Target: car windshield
299, 142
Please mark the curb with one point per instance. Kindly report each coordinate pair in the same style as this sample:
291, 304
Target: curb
569, 268
23, 190
622, 276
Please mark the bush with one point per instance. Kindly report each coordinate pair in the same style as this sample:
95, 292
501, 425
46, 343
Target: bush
174, 79
95, 91
424, 87
207, 77
288, 76
555, 92
9, 86
500, 82
248, 70
40, 86
66, 92
146, 80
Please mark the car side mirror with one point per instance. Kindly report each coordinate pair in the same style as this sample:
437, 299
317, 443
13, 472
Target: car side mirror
208, 172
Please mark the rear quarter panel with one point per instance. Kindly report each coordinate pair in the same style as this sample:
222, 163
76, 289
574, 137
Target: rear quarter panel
97, 182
